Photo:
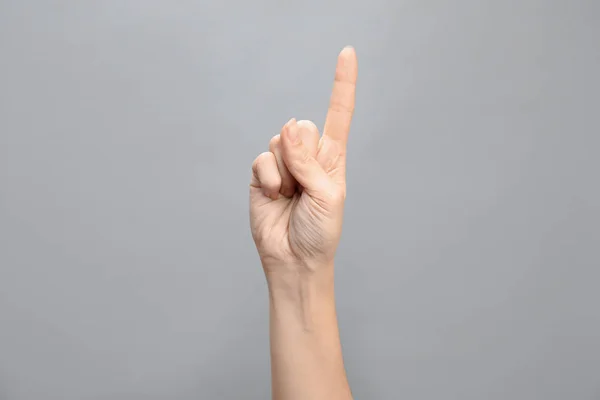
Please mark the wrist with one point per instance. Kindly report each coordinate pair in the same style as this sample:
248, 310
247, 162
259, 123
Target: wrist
302, 296
290, 282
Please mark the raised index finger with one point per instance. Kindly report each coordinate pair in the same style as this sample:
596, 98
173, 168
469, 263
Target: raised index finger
341, 105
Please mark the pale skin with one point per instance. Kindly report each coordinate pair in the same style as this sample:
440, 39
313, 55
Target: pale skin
297, 195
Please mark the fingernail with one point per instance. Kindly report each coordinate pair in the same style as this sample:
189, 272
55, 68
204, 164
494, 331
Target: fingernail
293, 133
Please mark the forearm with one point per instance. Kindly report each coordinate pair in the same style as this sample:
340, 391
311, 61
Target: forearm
306, 354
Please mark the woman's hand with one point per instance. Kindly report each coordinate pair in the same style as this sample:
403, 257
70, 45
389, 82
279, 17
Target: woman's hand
298, 187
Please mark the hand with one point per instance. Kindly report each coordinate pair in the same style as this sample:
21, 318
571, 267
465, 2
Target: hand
298, 187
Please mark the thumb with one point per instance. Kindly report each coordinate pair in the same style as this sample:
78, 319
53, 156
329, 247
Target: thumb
301, 163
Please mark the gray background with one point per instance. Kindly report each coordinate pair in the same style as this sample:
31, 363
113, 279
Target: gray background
469, 266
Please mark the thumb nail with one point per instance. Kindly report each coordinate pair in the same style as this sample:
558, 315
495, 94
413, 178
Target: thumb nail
293, 132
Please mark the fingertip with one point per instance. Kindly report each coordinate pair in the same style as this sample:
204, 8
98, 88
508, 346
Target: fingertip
347, 68
290, 123
285, 131
309, 125
348, 50
266, 174
348, 53
309, 134
290, 132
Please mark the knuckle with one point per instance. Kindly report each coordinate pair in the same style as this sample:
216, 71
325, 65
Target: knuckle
329, 155
341, 106
262, 158
274, 143
255, 163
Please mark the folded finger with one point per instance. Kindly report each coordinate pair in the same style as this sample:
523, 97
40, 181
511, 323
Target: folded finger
265, 175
